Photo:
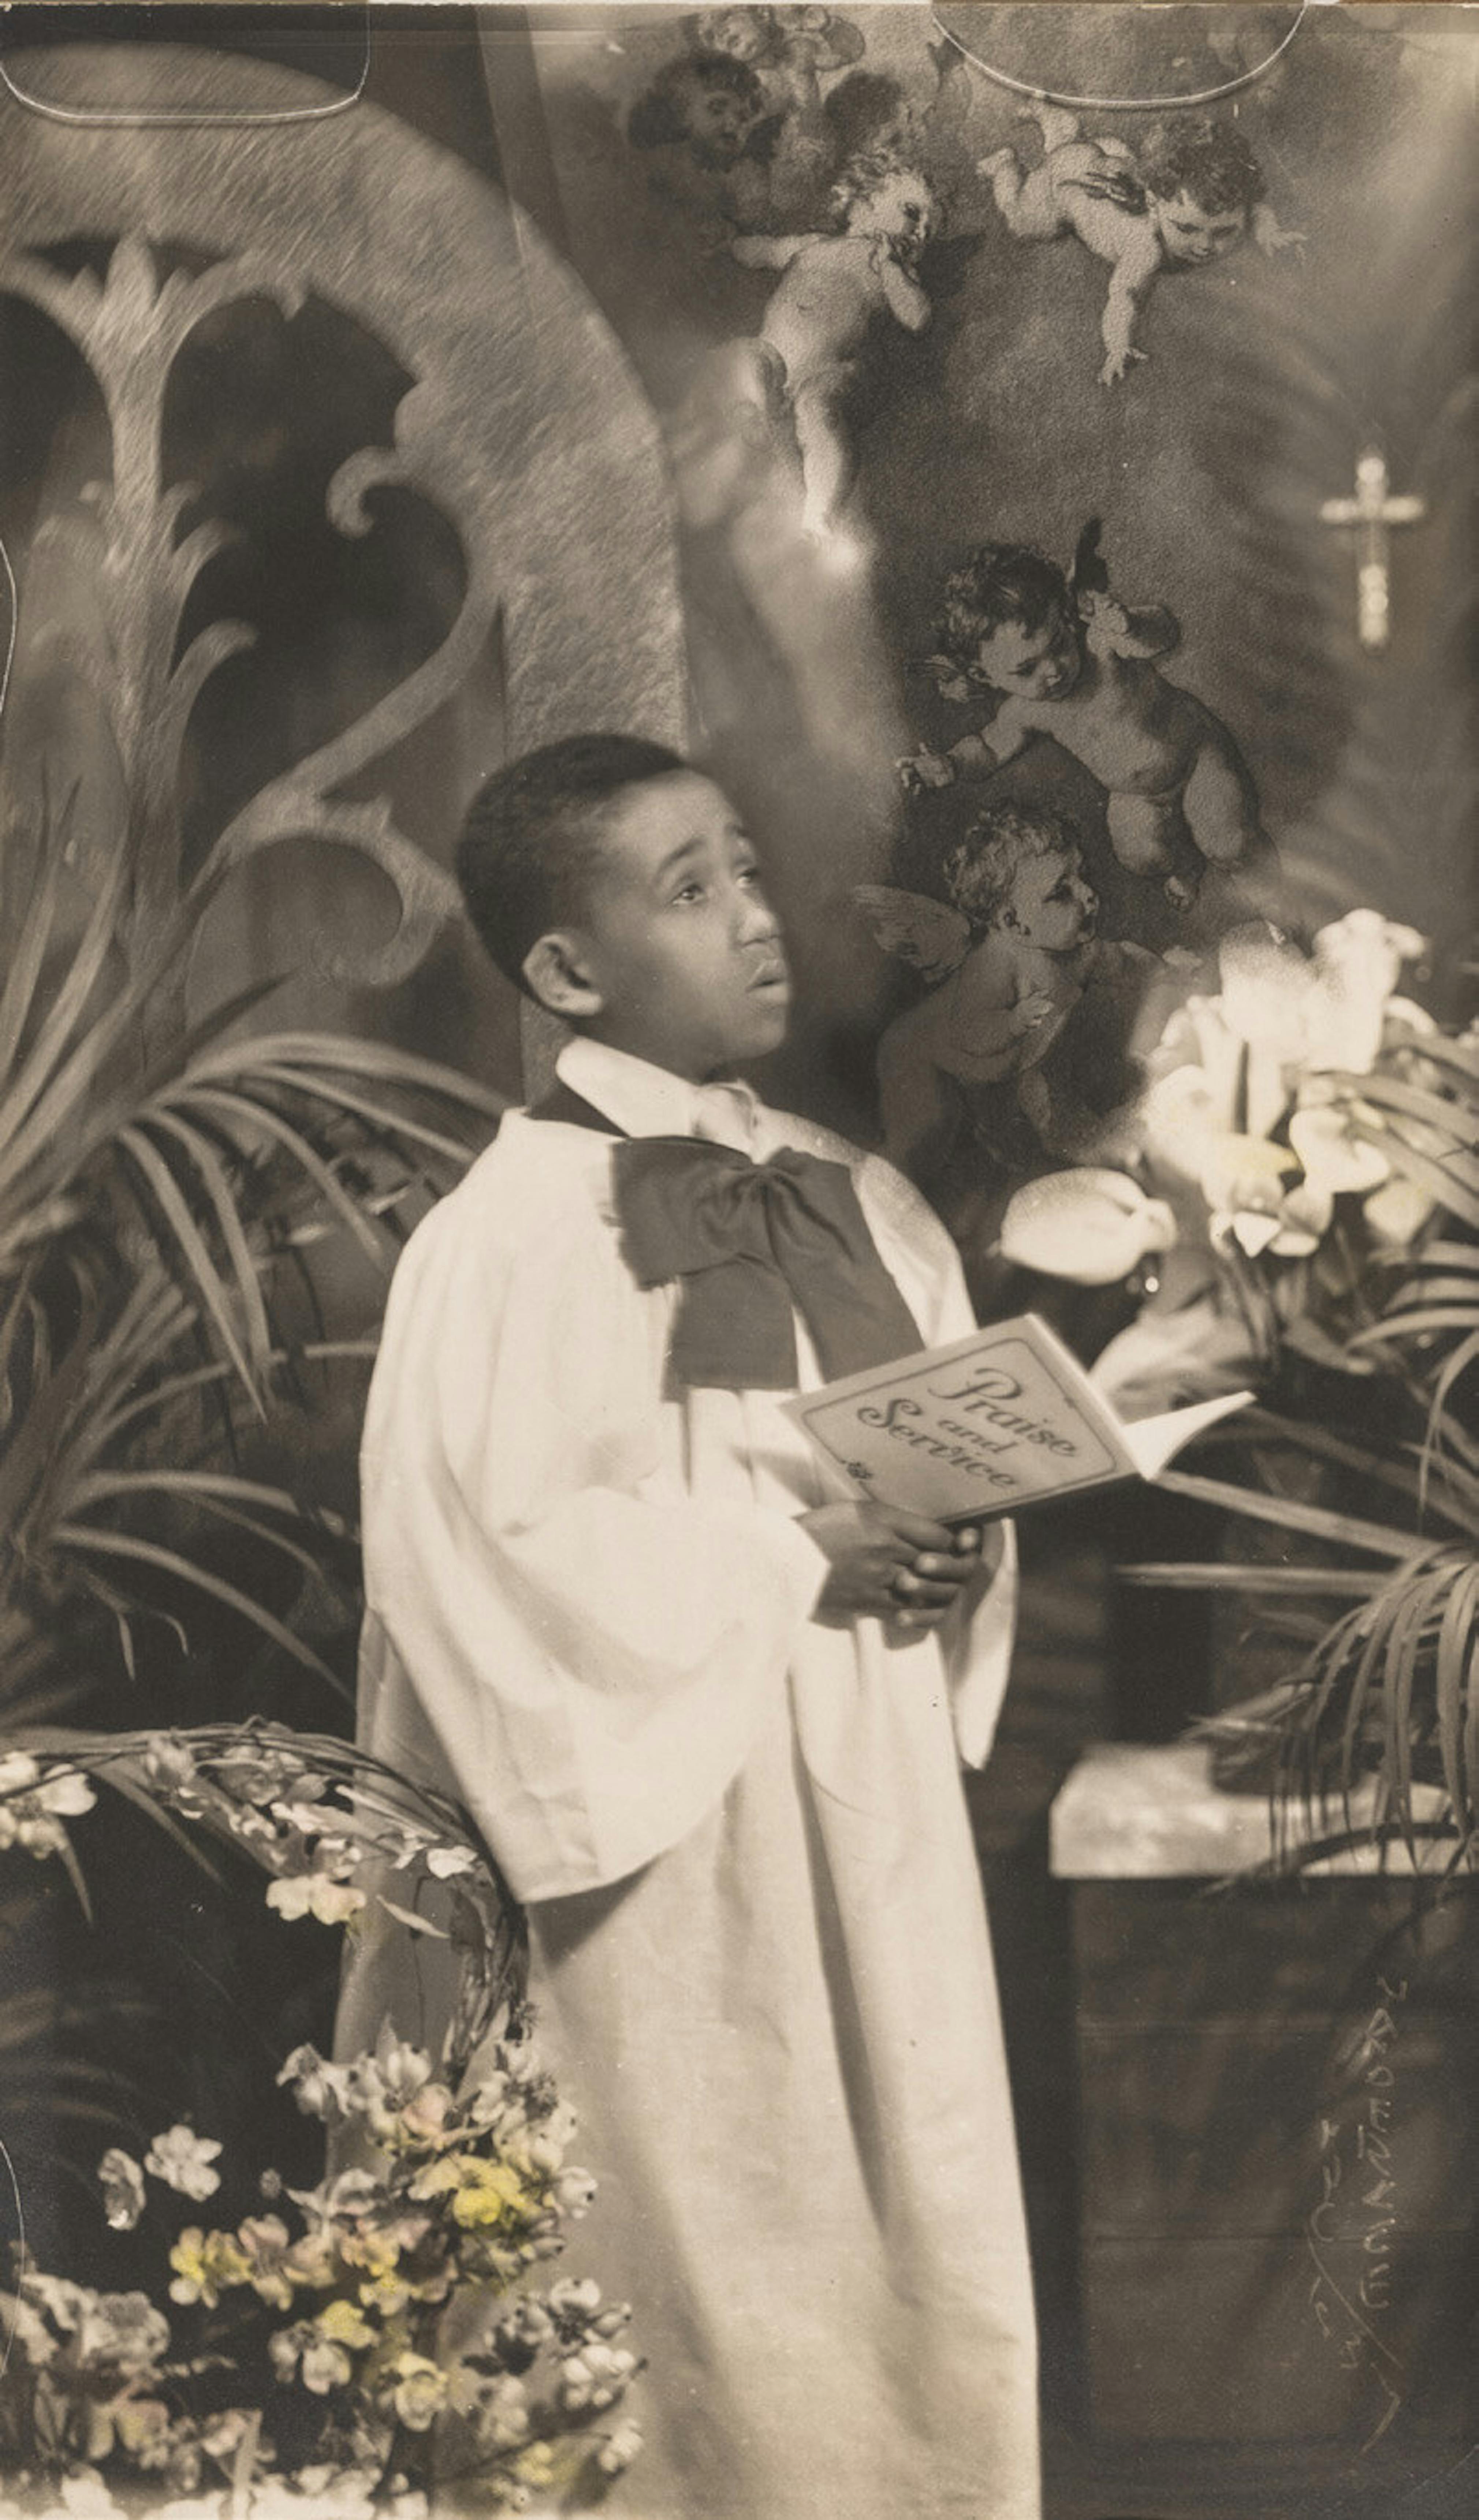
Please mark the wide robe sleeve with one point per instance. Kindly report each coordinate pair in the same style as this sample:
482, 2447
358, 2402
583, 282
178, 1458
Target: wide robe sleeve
975, 1639
592, 1647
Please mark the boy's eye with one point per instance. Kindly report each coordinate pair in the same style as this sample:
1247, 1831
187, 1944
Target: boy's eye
693, 891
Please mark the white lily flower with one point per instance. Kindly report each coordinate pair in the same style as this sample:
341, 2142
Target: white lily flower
1358, 963
1092, 1226
1255, 1203
1183, 1117
1397, 1211
1266, 989
1334, 1157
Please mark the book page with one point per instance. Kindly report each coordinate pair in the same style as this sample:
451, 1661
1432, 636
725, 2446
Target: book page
1153, 1442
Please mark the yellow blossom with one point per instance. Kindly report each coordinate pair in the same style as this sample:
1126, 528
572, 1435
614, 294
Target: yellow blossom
420, 2390
206, 2264
341, 2324
492, 2194
373, 2249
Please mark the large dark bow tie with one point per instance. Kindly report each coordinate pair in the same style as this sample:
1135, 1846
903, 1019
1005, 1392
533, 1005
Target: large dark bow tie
747, 1241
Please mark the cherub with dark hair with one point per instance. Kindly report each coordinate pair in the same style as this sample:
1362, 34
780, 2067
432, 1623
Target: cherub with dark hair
707, 114
1193, 193
790, 50
1072, 662
805, 362
1009, 954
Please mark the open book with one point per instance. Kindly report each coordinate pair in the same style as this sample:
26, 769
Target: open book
993, 1423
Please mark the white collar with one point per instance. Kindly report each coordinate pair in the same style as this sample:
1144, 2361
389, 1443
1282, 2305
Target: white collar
650, 1101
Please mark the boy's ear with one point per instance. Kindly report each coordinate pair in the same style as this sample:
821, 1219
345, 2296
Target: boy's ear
558, 972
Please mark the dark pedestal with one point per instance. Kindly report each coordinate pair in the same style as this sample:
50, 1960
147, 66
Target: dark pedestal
1279, 2138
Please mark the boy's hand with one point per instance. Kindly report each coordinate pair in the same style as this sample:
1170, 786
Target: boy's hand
888, 1564
1031, 1010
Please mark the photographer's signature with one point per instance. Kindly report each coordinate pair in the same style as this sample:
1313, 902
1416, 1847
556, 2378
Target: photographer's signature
1356, 2220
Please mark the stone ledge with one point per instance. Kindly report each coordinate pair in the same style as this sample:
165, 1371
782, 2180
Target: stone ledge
1138, 1812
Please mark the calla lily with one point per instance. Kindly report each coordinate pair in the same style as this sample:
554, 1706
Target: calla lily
1268, 987
1324, 1012
1092, 1226
1326, 1138
1184, 1116
1358, 963
1398, 1212
1258, 1199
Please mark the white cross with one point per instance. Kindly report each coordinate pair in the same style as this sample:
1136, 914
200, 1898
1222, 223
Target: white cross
1372, 511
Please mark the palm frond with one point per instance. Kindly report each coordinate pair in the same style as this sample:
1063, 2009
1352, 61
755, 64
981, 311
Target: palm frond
92, 1538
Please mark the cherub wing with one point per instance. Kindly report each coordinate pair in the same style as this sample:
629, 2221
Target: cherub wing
947, 677
1118, 184
927, 933
1090, 573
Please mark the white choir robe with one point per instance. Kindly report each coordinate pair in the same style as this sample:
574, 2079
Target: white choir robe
759, 1950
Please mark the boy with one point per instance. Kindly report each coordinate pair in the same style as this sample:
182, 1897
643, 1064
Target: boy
707, 1710
1192, 197
1072, 663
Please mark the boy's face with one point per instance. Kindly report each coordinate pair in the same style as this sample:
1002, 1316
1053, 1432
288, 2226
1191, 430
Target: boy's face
1041, 664
1056, 905
1191, 234
677, 936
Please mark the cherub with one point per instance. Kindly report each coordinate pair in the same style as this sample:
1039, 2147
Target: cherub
1194, 194
1073, 663
1008, 957
807, 359
790, 50
872, 112
707, 114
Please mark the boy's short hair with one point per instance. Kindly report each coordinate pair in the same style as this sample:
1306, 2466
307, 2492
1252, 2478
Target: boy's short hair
982, 868
657, 119
997, 583
532, 834
1210, 161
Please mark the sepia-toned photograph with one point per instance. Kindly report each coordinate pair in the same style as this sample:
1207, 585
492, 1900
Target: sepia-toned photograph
738, 1260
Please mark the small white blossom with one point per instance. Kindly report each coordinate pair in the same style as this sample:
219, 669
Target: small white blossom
86, 2498
575, 2192
182, 2159
445, 1863
313, 1894
618, 2450
319, 2088
123, 2184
